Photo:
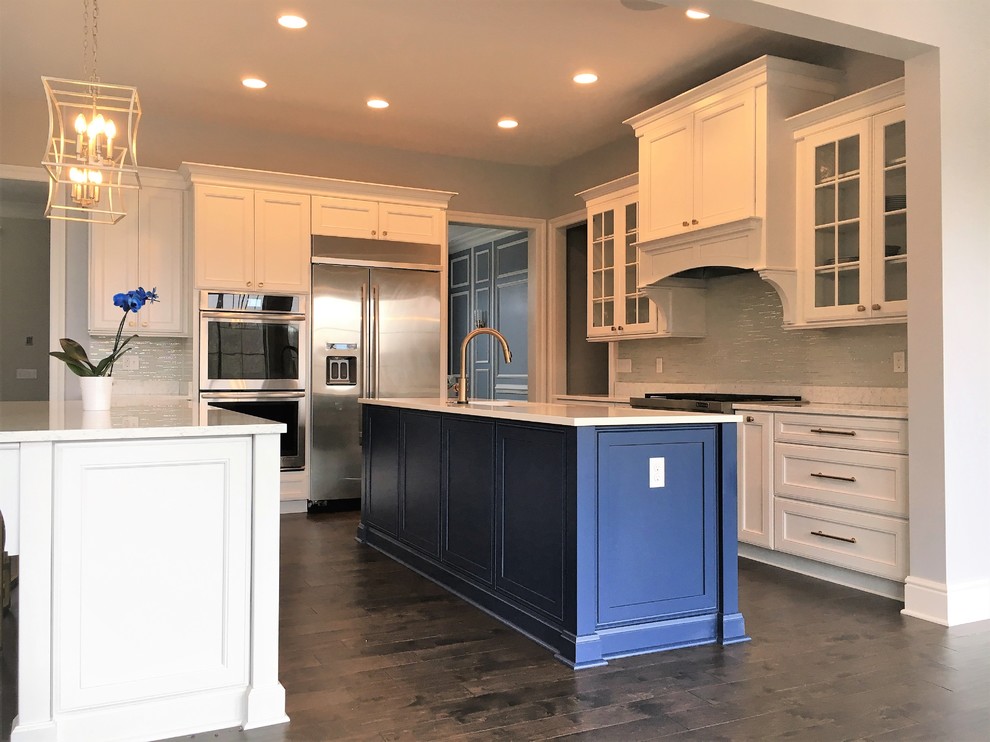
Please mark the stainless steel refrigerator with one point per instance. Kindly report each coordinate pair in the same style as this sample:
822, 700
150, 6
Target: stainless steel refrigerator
376, 333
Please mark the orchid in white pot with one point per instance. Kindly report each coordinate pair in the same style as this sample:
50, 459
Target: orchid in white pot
74, 355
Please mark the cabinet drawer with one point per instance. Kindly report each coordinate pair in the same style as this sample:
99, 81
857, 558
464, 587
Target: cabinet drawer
864, 433
874, 544
864, 480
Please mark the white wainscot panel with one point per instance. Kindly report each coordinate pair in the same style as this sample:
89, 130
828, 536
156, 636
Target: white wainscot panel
151, 570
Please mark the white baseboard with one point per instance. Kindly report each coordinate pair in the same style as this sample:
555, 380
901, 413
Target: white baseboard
292, 506
944, 604
828, 572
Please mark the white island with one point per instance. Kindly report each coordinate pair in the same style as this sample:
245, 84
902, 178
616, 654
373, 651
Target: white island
148, 586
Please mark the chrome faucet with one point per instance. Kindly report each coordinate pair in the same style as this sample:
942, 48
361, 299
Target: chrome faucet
462, 379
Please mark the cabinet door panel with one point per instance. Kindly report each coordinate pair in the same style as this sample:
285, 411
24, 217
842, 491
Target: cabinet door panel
281, 241
405, 223
666, 174
162, 262
381, 476
725, 161
344, 217
118, 569
419, 498
531, 487
113, 268
469, 496
654, 543
890, 247
755, 485
224, 228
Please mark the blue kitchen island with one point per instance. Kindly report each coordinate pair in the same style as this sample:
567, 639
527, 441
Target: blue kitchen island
597, 531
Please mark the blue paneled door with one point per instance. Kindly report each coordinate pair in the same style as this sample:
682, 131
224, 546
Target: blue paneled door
489, 286
510, 315
656, 553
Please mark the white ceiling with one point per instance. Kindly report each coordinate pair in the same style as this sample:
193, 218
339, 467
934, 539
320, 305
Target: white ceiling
450, 68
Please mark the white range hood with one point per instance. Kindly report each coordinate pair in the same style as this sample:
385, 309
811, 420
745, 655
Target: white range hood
717, 176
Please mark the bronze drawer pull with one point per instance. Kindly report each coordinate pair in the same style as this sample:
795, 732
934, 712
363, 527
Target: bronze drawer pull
837, 538
833, 432
833, 476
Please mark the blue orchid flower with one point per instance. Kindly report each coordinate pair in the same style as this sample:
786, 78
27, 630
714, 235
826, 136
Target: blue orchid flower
74, 355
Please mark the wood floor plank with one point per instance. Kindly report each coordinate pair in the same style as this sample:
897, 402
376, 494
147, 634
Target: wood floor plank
372, 651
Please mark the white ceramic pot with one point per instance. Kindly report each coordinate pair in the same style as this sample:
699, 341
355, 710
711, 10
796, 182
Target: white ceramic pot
96, 392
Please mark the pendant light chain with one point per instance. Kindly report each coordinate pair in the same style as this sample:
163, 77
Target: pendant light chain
89, 59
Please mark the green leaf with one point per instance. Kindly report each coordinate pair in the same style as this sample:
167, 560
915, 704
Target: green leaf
74, 366
74, 350
120, 347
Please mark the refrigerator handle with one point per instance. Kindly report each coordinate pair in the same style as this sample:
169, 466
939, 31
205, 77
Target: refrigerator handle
375, 330
363, 392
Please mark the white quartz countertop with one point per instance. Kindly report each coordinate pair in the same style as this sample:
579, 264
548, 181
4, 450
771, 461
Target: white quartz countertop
67, 421
823, 408
556, 414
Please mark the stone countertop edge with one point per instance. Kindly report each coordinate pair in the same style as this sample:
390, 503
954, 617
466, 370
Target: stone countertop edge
575, 415
828, 408
22, 422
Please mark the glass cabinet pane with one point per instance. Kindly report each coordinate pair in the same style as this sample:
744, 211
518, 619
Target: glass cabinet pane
848, 156
824, 163
631, 212
609, 253
848, 289
848, 243
825, 205
848, 199
894, 149
895, 246
825, 288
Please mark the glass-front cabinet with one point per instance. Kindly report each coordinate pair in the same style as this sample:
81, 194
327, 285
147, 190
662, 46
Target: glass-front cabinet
852, 216
616, 307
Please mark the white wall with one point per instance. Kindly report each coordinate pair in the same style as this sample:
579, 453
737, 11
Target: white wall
24, 303
483, 187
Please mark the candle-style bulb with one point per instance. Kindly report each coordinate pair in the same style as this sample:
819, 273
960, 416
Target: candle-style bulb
80, 124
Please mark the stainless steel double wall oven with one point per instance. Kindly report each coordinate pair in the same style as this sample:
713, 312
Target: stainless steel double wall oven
252, 359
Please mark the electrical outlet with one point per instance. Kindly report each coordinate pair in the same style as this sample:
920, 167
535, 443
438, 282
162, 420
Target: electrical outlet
659, 365
27, 373
658, 474
623, 365
900, 364
128, 362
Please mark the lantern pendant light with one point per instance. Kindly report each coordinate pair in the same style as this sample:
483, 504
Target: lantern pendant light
91, 156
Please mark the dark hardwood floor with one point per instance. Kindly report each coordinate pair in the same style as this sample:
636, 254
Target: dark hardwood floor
372, 651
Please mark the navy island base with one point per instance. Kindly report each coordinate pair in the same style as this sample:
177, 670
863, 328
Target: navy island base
595, 540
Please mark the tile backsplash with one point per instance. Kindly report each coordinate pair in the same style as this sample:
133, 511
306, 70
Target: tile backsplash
747, 349
164, 365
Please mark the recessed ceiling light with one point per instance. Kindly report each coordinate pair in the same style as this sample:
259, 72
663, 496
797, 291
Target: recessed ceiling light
377, 103
508, 123
254, 82
697, 15
292, 21
585, 78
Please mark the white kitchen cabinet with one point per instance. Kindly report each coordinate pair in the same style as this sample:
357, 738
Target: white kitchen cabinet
350, 217
755, 479
852, 209
716, 170
249, 239
617, 307
698, 170
146, 248
281, 241
841, 491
